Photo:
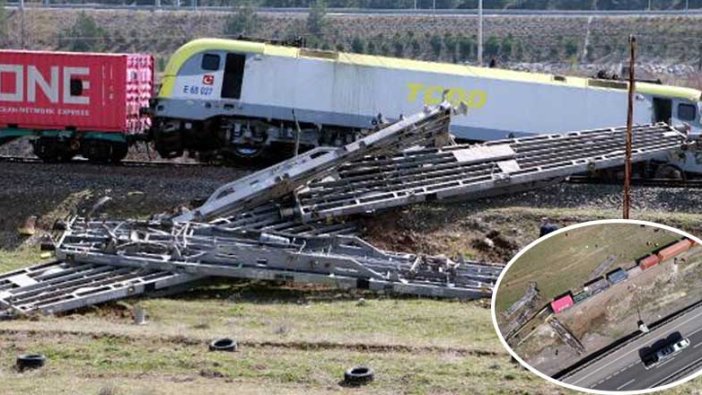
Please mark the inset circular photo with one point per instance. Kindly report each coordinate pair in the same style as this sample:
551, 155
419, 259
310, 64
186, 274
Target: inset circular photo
609, 306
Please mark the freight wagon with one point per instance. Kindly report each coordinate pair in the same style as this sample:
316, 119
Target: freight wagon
252, 97
674, 249
75, 103
649, 262
616, 276
596, 286
562, 303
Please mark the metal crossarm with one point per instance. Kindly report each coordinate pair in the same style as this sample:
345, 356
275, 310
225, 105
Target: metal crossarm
280, 180
207, 250
465, 171
58, 287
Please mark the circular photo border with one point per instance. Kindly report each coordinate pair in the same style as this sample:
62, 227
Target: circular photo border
548, 378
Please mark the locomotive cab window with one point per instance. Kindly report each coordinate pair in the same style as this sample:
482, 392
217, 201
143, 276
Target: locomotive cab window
233, 76
687, 112
210, 62
76, 87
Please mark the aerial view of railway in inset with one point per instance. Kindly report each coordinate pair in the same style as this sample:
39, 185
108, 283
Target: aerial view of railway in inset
606, 306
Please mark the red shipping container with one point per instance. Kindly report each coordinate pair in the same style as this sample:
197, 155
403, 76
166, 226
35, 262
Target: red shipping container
75, 91
648, 262
562, 303
673, 250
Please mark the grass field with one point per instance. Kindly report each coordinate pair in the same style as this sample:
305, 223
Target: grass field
567, 260
297, 340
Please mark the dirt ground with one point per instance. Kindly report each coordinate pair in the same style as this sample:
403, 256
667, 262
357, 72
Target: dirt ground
612, 314
566, 261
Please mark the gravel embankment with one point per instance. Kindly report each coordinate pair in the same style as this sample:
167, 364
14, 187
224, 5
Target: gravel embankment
52, 191
609, 197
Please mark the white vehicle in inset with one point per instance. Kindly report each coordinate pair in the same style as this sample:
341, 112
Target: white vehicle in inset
666, 353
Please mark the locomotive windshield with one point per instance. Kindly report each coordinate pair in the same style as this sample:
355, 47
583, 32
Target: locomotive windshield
233, 76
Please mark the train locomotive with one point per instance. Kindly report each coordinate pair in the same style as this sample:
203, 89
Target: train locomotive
250, 97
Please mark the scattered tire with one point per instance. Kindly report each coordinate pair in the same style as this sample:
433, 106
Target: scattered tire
60, 226
224, 344
47, 246
30, 361
359, 375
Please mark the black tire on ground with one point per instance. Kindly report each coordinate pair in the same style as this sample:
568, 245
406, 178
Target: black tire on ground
59, 225
30, 361
358, 375
224, 344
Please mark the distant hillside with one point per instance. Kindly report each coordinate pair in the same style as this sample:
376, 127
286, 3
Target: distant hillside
441, 4
603, 40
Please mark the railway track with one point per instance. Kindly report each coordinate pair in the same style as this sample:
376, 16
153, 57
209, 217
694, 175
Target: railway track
124, 163
652, 182
161, 164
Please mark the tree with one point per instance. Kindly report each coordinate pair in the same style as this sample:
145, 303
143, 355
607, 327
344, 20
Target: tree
571, 47
416, 48
518, 51
315, 18
398, 46
506, 46
243, 22
436, 43
466, 46
492, 46
85, 35
357, 45
451, 43
370, 48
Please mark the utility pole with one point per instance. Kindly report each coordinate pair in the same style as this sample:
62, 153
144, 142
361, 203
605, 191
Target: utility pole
626, 201
480, 32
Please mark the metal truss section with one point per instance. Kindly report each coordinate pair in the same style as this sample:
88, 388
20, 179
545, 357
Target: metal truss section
207, 250
270, 218
468, 171
269, 184
59, 287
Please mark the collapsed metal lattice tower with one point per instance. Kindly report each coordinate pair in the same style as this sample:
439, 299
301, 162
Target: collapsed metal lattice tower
452, 172
295, 221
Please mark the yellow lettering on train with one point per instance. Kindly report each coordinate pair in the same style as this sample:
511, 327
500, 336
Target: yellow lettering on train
477, 98
433, 94
414, 91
